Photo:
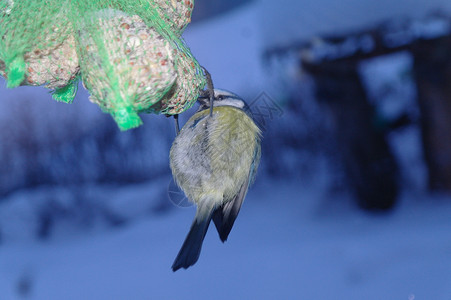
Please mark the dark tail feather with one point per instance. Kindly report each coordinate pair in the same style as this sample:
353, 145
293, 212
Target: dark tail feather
190, 251
225, 216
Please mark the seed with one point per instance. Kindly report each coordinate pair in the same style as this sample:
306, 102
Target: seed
125, 26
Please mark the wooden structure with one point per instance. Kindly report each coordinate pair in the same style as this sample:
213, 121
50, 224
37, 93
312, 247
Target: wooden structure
433, 76
369, 164
333, 62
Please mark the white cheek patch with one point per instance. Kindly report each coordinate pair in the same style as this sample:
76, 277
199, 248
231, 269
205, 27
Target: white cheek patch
224, 93
230, 102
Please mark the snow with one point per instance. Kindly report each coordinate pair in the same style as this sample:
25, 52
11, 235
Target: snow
289, 21
287, 244
295, 238
229, 47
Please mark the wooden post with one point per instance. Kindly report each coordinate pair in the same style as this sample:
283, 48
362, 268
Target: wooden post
369, 164
432, 69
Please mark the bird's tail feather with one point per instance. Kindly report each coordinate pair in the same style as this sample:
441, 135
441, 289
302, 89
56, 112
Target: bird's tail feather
190, 251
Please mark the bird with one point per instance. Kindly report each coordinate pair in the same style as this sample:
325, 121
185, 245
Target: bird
214, 159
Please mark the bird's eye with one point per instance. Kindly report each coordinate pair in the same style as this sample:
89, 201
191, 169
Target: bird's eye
221, 97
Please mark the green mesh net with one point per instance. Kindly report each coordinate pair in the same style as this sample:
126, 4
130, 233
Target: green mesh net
129, 53
37, 45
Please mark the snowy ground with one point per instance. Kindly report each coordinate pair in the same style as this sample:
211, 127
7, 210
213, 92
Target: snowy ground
293, 242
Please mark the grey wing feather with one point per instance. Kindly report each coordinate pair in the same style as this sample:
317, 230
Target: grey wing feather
225, 216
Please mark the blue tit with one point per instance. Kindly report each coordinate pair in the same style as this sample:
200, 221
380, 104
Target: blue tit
214, 159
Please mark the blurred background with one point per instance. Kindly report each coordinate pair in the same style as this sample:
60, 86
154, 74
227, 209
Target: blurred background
352, 200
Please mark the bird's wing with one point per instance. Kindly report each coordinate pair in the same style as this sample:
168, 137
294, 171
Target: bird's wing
225, 215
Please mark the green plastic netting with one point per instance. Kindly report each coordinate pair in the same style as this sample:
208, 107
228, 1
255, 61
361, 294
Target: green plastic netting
129, 53
37, 45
